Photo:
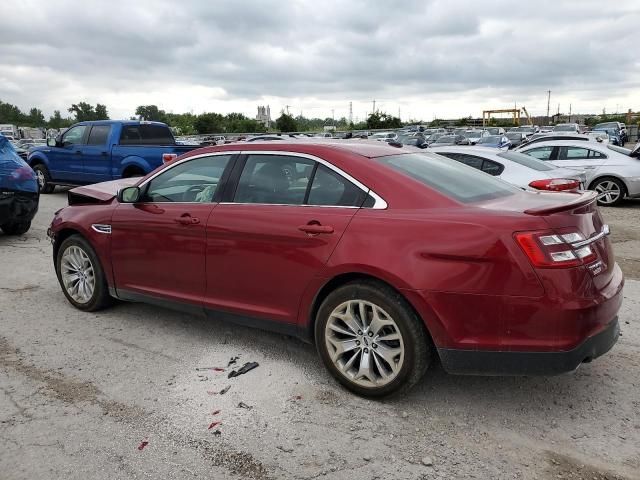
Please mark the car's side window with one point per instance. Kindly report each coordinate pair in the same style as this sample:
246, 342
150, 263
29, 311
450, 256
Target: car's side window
594, 154
541, 153
572, 153
74, 136
470, 160
331, 189
274, 179
99, 135
191, 181
492, 168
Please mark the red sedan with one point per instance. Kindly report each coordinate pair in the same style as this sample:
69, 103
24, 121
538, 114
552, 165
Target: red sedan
387, 258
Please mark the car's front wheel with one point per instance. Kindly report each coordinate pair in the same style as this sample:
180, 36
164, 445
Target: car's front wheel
81, 276
371, 340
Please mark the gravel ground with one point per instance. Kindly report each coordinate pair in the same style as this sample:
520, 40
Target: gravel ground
79, 393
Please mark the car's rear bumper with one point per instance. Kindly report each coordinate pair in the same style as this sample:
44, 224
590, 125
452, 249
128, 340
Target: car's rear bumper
17, 206
485, 362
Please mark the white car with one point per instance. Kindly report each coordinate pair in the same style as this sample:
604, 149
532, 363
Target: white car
613, 172
474, 135
384, 136
516, 168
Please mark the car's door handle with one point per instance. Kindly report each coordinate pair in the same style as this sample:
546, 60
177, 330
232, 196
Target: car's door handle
187, 219
78, 152
315, 228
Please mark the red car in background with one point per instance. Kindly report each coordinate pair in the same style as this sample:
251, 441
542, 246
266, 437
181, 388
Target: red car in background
385, 257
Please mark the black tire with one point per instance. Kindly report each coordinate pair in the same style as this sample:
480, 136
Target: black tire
133, 173
604, 202
44, 179
16, 228
416, 340
100, 298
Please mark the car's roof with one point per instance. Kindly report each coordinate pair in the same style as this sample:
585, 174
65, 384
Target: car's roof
568, 142
123, 122
365, 148
466, 149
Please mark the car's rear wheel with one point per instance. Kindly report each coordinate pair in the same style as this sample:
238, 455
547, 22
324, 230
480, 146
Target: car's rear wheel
371, 340
44, 179
611, 191
81, 276
16, 228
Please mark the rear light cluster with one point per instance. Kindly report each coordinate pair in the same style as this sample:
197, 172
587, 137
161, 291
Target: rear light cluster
167, 157
23, 174
556, 184
549, 250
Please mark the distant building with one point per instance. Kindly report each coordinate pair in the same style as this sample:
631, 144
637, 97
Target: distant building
264, 115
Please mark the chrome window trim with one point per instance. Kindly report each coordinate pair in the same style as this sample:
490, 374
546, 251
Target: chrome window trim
379, 202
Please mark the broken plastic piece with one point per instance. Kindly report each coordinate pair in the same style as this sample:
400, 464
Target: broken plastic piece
215, 412
217, 433
233, 361
143, 444
244, 405
213, 424
217, 369
225, 390
244, 369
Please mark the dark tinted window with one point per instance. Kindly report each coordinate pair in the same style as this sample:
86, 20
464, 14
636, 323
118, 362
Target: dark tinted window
492, 168
99, 135
527, 161
191, 181
146, 134
448, 177
274, 179
330, 188
578, 153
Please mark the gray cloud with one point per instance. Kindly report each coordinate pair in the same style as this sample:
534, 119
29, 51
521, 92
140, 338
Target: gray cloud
52, 53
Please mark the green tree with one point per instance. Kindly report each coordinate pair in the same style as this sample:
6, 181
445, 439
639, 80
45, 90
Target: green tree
383, 120
36, 118
151, 113
209, 123
82, 111
286, 123
101, 112
55, 120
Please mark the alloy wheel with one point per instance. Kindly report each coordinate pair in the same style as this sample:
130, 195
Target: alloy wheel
78, 275
41, 179
364, 343
608, 192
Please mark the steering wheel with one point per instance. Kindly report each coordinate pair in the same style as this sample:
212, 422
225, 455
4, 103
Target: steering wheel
192, 192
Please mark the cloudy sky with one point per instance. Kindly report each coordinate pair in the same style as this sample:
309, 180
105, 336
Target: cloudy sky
428, 58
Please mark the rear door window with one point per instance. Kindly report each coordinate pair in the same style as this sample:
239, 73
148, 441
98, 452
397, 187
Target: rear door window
331, 189
492, 168
541, 153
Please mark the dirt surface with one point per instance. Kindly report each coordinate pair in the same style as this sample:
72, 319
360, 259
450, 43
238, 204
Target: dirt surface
80, 393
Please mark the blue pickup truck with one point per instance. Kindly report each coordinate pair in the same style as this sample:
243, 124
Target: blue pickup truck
92, 152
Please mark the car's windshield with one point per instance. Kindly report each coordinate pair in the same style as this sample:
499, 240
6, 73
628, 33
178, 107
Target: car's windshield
491, 139
564, 128
514, 135
527, 161
446, 139
449, 177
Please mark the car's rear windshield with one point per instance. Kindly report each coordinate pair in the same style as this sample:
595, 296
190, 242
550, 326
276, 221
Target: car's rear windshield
527, 161
622, 150
449, 177
146, 134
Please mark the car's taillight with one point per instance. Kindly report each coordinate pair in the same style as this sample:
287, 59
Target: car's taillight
556, 184
549, 250
167, 157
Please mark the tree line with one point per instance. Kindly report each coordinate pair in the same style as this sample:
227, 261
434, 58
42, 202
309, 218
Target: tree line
189, 123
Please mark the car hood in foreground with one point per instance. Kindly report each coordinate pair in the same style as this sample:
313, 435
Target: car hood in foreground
104, 191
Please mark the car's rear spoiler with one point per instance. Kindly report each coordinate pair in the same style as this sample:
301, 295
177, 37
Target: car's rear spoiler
581, 200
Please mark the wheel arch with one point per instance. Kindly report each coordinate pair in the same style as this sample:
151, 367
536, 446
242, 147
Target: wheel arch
423, 312
134, 164
61, 236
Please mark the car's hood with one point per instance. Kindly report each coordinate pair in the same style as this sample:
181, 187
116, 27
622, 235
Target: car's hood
106, 190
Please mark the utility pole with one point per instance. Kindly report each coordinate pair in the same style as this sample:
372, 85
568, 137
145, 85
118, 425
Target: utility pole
333, 117
548, 104
287, 107
350, 113
398, 113
569, 113
374, 106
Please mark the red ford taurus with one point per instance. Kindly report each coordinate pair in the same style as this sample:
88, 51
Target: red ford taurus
387, 258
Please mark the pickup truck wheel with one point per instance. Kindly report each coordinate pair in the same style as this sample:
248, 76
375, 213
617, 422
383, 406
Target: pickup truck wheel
44, 179
16, 228
81, 275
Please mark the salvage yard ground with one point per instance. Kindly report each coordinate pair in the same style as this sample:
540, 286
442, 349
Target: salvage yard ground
80, 393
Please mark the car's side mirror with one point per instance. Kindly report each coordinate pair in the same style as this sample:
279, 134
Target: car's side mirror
129, 195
